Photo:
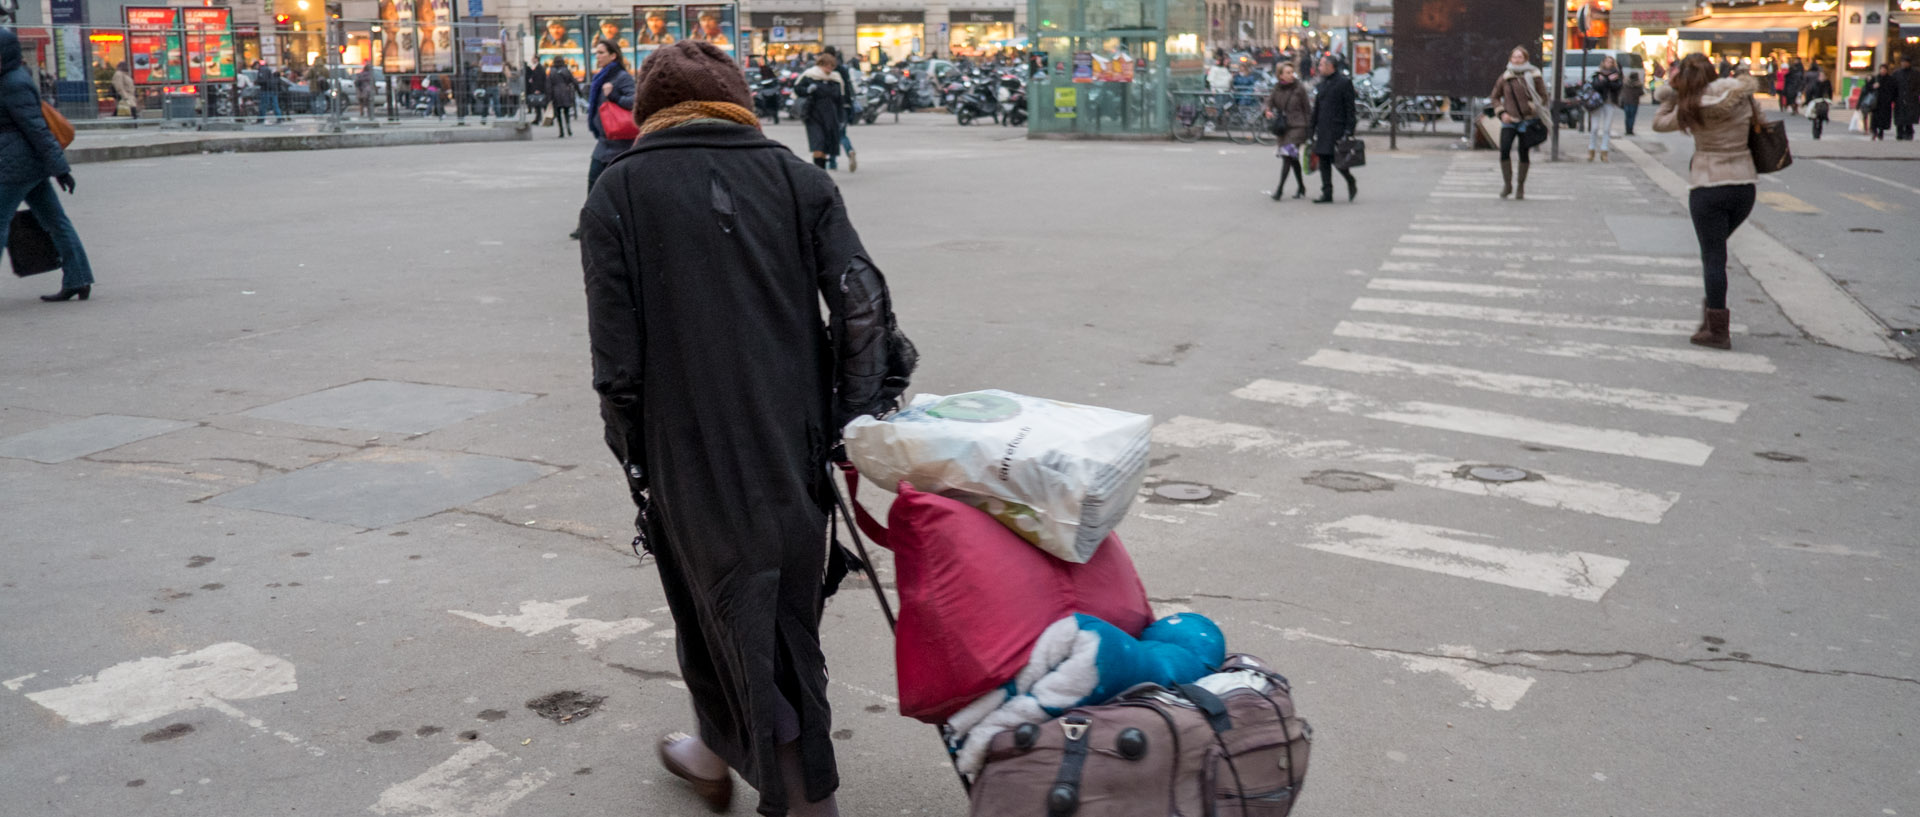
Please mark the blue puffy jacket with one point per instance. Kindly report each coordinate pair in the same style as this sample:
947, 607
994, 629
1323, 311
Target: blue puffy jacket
28, 151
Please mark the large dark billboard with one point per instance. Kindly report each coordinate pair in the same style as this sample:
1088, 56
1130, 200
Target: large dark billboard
1459, 47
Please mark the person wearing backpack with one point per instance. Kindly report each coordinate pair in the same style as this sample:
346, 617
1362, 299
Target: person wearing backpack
1606, 82
31, 160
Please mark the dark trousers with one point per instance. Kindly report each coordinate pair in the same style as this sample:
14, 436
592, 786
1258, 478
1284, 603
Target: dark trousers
40, 198
1632, 110
1326, 174
1290, 166
594, 169
1510, 137
563, 119
1717, 212
1903, 129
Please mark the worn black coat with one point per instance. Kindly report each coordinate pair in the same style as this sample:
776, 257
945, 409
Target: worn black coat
28, 151
1906, 96
708, 249
1333, 113
825, 99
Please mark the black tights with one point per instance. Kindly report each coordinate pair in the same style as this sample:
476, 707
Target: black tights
1510, 136
1326, 174
1717, 212
1290, 166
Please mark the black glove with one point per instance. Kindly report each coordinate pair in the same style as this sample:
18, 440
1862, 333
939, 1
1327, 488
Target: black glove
65, 180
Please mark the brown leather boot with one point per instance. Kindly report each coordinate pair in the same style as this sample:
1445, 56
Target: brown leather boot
1506, 177
1520, 183
1713, 329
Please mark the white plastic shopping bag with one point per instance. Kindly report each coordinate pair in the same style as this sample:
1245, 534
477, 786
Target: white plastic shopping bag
1061, 475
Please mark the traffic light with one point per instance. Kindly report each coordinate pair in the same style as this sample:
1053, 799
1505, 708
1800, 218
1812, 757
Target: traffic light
282, 19
1304, 21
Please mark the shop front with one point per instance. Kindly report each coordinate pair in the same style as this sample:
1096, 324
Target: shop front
1113, 70
1757, 35
890, 36
981, 33
779, 35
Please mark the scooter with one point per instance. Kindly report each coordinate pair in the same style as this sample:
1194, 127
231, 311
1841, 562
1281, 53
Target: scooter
1012, 95
974, 100
769, 96
872, 100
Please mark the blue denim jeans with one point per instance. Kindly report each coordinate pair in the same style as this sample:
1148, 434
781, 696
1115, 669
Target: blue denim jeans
270, 100
45, 204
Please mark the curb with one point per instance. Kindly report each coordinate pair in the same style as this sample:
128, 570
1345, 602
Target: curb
1808, 296
304, 141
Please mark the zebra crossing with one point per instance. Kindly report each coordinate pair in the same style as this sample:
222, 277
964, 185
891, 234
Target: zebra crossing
1471, 282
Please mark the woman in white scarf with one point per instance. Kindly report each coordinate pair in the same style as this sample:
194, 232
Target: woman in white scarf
1518, 100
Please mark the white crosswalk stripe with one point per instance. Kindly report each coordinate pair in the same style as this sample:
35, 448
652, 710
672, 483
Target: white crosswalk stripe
1574, 574
1680, 405
1547, 257
1680, 450
1652, 279
1689, 356
1523, 317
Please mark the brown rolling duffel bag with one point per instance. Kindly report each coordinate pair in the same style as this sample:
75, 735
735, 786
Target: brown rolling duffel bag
1153, 752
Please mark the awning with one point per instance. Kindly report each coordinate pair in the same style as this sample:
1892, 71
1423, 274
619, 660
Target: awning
1751, 28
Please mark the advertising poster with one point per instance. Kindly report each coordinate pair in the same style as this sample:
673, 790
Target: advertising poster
655, 26
1362, 57
210, 49
1083, 66
615, 27
711, 24
1065, 100
562, 37
398, 39
435, 18
154, 47
1117, 68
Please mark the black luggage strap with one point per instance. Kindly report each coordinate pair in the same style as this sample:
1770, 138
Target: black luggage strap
1209, 704
1064, 798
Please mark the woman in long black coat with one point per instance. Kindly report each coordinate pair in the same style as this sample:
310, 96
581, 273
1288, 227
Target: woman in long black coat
708, 249
1880, 116
1333, 119
824, 91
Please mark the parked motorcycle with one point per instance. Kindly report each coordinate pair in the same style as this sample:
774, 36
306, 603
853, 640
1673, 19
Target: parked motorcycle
1011, 93
973, 98
769, 97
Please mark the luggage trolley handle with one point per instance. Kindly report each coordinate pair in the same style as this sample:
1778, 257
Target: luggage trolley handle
857, 520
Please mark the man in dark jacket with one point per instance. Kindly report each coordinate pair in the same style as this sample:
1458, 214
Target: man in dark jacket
1333, 120
29, 156
1906, 100
708, 250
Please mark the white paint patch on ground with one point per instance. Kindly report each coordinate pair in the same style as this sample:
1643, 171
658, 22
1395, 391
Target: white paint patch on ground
14, 684
1425, 470
260, 726
537, 617
1574, 574
151, 688
1679, 262
1476, 228
1652, 279
1401, 333
1484, 423
1545, 388
1524, 317
478, 781
1492, 690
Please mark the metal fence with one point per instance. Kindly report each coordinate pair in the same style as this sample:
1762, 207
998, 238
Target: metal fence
137, 75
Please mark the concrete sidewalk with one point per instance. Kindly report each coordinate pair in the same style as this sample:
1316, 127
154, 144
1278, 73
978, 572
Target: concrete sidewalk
107, 144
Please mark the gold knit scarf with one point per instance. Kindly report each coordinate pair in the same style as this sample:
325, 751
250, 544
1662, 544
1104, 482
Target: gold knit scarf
695, 110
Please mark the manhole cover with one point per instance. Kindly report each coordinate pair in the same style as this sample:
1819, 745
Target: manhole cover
565, 706
1346, 481
1497, 473
1183, 492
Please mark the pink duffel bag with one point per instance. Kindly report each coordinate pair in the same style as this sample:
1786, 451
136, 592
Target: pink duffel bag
974, 597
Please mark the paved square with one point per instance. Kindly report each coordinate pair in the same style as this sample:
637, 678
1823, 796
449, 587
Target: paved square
386, 405
382, 487
66, 441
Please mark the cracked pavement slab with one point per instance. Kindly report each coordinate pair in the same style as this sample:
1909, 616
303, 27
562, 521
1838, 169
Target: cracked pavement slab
1754, 652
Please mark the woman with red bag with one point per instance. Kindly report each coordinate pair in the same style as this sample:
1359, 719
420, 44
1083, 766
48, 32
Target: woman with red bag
611, 83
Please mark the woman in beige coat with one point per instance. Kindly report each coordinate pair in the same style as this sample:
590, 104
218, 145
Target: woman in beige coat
1289, 99
1718, 113
123, 89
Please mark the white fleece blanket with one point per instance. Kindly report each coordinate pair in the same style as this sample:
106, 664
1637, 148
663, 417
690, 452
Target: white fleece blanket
1061, 671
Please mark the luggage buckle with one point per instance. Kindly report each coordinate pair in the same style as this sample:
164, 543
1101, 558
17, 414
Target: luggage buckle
1075, 729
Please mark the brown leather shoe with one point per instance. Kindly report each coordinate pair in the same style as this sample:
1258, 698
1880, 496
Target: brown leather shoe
718, 794
1714, 331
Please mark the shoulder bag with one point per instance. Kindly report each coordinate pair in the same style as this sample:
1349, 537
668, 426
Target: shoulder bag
30, 246
1768, 144
617, 123
62, 129
1349, 153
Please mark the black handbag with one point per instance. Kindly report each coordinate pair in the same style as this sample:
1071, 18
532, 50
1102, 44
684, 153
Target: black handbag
31, 246
1533, 133
1349, 153
1277, 122
1768, 144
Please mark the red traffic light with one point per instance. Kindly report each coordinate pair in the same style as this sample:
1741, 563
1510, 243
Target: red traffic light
282, 19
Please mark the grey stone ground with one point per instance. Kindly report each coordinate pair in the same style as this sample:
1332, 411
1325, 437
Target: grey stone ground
341, 604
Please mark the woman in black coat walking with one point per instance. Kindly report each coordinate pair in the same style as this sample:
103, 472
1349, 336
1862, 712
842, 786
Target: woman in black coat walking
1880, 113
535, 91
708, 250
824, 91
30, 162
564, 96
1333, 120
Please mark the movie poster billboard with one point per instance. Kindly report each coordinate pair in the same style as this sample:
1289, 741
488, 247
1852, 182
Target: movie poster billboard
654, 26
210, 49
615, 27
712, 24
154, 49
399, 38
564, 37
435, 18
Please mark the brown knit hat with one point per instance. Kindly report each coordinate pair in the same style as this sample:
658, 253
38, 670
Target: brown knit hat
688, 71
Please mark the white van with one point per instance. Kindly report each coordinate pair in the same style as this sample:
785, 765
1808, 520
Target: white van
1633, 65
